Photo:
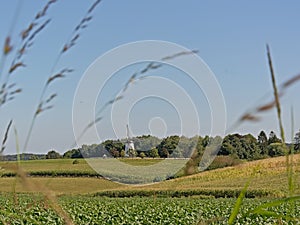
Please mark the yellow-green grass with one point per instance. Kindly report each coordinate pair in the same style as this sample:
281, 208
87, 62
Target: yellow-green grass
268, 174
58, 185
67, 164
122, 170
47, 165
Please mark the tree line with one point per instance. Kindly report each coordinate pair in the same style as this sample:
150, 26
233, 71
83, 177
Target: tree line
244, 147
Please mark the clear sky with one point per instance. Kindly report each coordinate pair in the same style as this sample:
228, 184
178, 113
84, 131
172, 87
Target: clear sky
230, 35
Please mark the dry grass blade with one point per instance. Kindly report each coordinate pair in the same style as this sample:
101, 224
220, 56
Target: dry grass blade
38, 30
51, 98
17, 91
291, 81
11, 85
44, 10
25, 33
61, 74
249, 117
28, 34
269, 105
48, 194
5, 137
134, 77
7, 46
54, 77
289, 163
91, 9
97, 120
153, 66
15, 66
179, 54
6, 94
41, 108
82, 25
266, 107
276, 95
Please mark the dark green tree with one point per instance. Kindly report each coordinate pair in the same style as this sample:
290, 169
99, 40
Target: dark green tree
145, 143
273, 138
114, 148
262, 140
167, 146
275, 149
240, 146
53, 155
142, 155
154, 153
74, 153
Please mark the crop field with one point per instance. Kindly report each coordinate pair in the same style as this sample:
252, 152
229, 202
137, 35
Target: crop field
138, 171
63, 177
204, 198
32, 209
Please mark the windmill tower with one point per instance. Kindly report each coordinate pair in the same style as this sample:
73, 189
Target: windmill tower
129, 145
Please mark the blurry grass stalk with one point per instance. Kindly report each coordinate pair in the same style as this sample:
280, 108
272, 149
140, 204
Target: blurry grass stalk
292, 174
50, 197
289, 158
238, 204
262, 210
28, 36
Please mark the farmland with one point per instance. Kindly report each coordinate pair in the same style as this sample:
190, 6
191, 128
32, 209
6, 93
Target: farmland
63, 177
207, 197
22, 209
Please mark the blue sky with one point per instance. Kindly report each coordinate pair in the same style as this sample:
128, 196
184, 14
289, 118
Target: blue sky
230, 36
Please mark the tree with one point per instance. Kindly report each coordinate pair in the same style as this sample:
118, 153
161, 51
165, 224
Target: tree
241, 146
275, 149
167, 146
114, 147
142, 155
145, 143
74, 153
53, 155
122, 153
262, 140
154, 153
164, 153
273, 138
132, 152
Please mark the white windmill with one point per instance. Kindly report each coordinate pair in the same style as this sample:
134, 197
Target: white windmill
129, 145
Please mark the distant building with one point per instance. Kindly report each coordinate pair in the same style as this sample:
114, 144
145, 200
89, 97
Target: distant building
129, 145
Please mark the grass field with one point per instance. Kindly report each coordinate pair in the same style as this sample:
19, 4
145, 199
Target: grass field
268, 174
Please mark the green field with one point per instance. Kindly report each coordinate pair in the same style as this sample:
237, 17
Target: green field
62, 176
207, 197
32, 209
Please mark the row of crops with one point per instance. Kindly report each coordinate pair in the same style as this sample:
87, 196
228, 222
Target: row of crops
31, 209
